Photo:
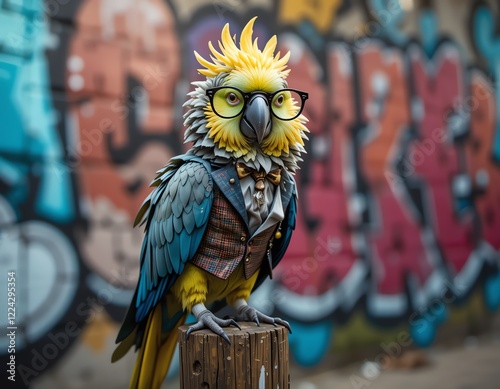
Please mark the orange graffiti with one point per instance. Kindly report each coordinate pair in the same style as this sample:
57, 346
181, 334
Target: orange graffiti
481, 166
321, 13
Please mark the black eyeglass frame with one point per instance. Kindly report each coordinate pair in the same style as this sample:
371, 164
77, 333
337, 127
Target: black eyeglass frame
246, 97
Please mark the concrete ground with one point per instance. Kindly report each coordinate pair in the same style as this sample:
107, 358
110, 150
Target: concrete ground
473, 365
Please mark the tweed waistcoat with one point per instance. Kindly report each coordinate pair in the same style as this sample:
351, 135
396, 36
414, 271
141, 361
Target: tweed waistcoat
226, 242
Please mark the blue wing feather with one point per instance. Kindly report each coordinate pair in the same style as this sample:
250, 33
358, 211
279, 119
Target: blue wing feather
168, 229
185, 240
201, 213
174, 251
161, 264
188, 221
177, 217
178, 224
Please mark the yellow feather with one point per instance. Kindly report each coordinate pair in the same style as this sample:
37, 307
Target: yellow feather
152, 343
255, 45
281, 63
191, 286
155, 353
124, 346
270, 47
165, 354
216, 54
246, 36
209, 66
231, 58
142, 375
284, 136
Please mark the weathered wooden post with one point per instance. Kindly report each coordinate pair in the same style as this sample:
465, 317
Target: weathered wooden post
256, 358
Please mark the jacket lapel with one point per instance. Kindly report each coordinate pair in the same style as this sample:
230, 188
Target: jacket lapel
287, 188
228, 182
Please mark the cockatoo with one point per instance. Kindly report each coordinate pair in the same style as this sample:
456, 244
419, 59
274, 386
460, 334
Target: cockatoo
221, 216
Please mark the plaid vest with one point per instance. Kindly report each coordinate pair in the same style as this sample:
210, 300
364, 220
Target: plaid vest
226, 242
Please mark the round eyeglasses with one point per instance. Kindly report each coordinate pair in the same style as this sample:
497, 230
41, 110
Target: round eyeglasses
228, 102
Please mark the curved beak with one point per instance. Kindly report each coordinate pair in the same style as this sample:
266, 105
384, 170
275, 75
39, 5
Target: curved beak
256, 120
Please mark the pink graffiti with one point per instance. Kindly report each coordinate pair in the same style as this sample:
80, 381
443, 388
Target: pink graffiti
394, 236
434, 156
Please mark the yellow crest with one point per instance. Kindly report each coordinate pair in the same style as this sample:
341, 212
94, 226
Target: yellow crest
247, 56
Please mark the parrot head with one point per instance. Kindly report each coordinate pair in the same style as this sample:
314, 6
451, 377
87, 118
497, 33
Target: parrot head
244, 109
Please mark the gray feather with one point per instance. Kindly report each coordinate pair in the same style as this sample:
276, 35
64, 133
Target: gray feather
178, 225
168, 229
184, 193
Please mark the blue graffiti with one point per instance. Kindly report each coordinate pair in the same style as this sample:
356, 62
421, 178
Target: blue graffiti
390, 15
487, 43
30, 144
423, 331
429, 31
309, 343
492, 292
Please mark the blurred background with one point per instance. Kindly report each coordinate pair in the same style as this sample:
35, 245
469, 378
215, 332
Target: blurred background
392, 278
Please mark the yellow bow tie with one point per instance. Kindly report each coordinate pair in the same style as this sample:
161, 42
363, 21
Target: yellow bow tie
274, 176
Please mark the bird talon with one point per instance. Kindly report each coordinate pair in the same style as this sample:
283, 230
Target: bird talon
247, 313
225, 337
207, 320
283, 323
194, 327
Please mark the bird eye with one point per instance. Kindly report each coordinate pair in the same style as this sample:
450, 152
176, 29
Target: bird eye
232, 98
279, 100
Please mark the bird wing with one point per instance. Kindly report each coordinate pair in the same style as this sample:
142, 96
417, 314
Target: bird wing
176, 216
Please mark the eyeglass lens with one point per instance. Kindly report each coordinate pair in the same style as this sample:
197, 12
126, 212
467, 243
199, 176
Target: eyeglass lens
229, 102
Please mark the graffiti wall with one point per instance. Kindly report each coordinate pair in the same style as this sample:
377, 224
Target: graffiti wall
399, 212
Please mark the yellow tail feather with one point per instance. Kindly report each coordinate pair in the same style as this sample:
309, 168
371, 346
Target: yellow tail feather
166, 354
155, 354
125, 345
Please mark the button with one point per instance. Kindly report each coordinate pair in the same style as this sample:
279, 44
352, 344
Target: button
232, 181
243, 238
247, 259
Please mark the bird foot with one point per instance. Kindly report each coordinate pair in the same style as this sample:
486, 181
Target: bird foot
207, 319
247, 313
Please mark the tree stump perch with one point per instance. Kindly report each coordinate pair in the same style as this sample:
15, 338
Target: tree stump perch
256, 358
